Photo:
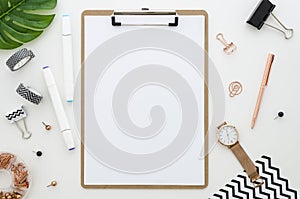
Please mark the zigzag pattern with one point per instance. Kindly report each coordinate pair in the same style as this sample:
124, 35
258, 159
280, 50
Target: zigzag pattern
28, 94
15, 115
278, 178
274, 187
14, 60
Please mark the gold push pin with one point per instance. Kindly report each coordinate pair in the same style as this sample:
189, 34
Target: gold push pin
53, 184
47, 126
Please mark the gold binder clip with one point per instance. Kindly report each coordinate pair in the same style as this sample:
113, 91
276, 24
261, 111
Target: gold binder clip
229, 48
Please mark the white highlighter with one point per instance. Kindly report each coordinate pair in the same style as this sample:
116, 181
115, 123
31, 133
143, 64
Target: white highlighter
68, 58
59, 109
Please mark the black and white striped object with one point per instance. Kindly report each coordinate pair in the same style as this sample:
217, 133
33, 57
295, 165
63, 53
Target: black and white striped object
29, 94
19, 59
274, 187
16, 115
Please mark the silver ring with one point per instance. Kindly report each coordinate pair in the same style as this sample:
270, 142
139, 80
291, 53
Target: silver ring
19, 59
29, 94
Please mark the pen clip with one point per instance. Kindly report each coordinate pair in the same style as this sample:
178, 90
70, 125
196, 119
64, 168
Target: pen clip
269, 66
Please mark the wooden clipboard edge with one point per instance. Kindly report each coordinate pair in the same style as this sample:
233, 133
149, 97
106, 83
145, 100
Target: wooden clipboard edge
179, 12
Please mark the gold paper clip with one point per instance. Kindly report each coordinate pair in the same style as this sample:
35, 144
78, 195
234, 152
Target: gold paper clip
229, 48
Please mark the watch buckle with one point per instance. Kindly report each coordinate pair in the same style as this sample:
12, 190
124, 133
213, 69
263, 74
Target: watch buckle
257, 181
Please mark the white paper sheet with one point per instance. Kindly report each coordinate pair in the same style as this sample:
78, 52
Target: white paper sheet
187, 169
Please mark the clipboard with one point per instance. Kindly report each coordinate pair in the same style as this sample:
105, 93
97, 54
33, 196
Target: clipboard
115, 22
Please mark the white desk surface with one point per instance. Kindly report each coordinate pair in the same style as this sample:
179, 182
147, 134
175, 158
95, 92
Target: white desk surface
278, 139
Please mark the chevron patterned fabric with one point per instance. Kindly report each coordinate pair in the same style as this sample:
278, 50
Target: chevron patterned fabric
29, 94
274, 187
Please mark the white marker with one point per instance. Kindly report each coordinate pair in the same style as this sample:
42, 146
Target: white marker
59, 109
68, 58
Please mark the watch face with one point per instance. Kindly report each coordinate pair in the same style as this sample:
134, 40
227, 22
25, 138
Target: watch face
228, 135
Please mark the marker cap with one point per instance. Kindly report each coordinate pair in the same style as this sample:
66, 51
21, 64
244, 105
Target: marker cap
68, 137
66, 25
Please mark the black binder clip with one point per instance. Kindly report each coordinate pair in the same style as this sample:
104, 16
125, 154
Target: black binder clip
261, 14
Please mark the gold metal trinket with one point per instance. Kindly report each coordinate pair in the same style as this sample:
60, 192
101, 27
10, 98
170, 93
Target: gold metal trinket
47, 126
53, 184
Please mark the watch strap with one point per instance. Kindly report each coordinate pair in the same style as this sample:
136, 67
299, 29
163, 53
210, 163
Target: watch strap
224, 123
245, 161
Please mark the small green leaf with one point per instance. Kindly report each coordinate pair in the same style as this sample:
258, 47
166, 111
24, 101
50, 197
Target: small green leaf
20, 22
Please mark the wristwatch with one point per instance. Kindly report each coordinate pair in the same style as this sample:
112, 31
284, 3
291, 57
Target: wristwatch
228, 136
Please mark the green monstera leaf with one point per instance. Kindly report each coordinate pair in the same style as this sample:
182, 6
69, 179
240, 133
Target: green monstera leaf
20, 23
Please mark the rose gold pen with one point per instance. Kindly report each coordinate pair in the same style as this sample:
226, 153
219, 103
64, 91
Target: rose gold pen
264, 83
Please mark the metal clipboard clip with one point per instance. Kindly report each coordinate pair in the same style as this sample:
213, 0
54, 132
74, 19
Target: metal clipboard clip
144, 12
